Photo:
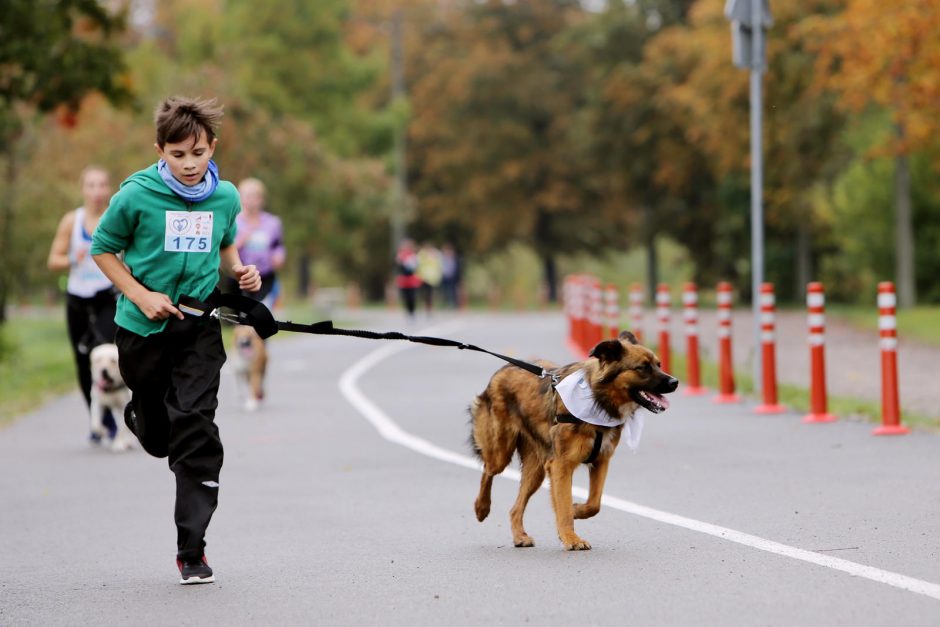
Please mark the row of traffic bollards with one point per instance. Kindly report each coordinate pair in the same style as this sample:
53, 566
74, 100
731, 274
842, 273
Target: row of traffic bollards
593, 315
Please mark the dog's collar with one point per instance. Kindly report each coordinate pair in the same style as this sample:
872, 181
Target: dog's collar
598, 435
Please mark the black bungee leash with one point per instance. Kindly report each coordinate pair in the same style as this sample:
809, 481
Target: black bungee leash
256, 315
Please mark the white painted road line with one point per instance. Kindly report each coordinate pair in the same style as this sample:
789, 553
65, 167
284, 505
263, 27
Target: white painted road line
390, 430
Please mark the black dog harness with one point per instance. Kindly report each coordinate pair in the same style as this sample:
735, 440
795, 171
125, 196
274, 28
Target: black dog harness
598, 436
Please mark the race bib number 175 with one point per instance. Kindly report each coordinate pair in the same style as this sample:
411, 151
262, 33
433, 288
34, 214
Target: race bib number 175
188, 231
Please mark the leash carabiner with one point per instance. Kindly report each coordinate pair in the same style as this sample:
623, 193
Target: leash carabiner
218, 314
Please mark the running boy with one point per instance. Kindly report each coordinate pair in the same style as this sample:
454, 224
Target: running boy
175, 222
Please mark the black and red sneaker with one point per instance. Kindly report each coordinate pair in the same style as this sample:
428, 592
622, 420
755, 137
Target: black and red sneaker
195, 572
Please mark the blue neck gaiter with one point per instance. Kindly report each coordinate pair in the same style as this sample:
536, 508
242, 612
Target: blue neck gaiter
191, 193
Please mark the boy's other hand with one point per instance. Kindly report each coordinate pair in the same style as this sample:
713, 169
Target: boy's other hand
157, 306
249, 279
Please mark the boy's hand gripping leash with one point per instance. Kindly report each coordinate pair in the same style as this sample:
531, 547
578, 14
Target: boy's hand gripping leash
254, 314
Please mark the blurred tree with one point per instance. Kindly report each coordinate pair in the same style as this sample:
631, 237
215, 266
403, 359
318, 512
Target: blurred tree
52, 52
292, 66
682, 140
291, 58
332, 207
53, 156
803, 149
498, 149
532, 120
855, 208
887, 55
680, 117
629, 132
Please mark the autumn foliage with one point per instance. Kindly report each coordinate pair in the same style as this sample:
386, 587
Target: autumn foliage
573, 128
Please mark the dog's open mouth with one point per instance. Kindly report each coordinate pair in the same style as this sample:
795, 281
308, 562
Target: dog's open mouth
656, 403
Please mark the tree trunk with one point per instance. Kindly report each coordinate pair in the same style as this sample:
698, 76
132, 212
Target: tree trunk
652, 258
904, 230
551, 278
303, 276
804, 262
7, 204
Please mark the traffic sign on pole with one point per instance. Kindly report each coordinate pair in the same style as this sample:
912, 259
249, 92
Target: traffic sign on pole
741, 14
749, 19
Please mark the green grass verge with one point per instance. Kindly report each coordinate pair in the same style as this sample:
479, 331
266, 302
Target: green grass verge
917, 324
36, 358
35, 363
797, 398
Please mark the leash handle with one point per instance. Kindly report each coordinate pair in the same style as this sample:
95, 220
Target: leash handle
250, 311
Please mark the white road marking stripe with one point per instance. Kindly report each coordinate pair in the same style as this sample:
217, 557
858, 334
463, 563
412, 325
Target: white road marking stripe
390, 430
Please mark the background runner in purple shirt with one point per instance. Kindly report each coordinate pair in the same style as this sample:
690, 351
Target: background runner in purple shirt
260, 239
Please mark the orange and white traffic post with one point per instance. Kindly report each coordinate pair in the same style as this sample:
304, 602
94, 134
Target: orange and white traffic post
577, 311
585, 299
768, 352
816, 320
596, 315
726, 393
663, 304
888, 327
568, 296
636, 311
690, 315
612, 310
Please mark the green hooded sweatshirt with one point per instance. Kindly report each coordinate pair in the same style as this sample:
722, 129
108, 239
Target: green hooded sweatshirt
170, 245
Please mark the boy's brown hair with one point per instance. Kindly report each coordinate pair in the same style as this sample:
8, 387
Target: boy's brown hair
178, 118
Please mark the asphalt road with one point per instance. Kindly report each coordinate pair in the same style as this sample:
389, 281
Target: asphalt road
347, 501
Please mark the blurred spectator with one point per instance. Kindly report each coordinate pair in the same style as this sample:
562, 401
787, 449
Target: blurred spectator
90, 296
450, 275
430, 270
407, 279
260, 240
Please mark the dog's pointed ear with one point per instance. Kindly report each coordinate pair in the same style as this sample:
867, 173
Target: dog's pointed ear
629, 337
608, 350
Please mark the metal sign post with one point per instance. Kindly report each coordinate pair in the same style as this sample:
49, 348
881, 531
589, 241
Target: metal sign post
749, 20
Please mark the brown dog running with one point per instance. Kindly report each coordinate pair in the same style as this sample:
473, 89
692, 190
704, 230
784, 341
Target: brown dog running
521, 412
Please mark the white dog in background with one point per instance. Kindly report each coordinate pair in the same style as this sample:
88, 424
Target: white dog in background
108, 391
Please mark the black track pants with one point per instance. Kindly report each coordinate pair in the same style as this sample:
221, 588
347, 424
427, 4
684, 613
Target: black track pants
409, 296
90, 322
174, 376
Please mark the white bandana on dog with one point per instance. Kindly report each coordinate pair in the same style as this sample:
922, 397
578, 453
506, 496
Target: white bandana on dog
577, 396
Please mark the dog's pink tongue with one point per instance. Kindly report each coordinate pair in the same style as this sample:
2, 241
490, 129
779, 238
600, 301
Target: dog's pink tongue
662, 400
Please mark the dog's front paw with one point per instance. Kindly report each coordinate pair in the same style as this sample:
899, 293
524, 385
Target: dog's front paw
574, 543
523, 541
